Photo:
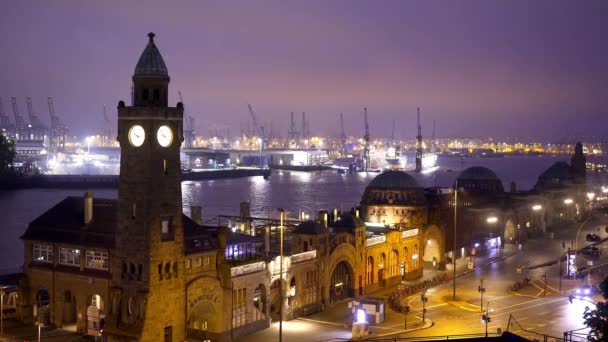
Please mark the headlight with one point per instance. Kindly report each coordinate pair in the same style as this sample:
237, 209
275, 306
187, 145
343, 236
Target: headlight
578, 290
587, 291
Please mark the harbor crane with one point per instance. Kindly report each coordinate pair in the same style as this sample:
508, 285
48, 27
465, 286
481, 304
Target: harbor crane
293, 133
34, 119
419, 145
5, 122
366, 138
18, 118
58, 130
342, 135
108, 129
188, 127
259, 129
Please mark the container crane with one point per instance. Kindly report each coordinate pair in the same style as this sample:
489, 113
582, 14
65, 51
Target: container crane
108, 129
342, 135
419, 145
18, 118
259, 129
58, 130
34, 119
188, 127
366, 138
5, 123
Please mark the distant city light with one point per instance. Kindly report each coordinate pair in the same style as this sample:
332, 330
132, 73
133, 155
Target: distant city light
492, 219
537, 207
568, 201
591, 195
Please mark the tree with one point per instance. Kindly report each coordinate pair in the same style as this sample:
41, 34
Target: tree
597, 320
7, 153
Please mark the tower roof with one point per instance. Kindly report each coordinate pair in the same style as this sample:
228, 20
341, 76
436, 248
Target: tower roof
151, 63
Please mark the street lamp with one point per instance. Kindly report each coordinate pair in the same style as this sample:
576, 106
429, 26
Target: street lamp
537, 207
568, 201
492, 219
281, 277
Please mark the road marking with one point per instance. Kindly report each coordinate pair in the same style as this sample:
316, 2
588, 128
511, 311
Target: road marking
318, 321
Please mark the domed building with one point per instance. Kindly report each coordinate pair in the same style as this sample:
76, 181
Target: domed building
394, 199
480, 179
401, 223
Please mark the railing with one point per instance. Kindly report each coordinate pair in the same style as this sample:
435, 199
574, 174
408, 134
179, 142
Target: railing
303, 256
340, 239
375, 240
248, 268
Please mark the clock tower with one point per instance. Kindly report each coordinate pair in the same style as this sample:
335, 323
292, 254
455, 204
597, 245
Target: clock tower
147, 297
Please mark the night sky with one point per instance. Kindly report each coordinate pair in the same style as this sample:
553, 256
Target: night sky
510, 69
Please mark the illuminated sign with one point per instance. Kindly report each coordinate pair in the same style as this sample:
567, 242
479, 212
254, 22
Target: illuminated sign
572, 263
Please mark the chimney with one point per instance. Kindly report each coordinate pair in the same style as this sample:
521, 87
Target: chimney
196, 214
88, 207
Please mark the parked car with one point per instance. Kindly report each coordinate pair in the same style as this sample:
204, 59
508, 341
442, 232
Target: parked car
593, 237
587, 291
591, 251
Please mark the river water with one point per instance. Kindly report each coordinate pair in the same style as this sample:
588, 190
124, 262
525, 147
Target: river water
293, 191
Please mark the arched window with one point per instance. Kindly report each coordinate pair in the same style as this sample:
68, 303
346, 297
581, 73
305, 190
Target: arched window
370, 270
393, 262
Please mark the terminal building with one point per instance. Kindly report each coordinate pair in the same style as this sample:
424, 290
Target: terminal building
137, 268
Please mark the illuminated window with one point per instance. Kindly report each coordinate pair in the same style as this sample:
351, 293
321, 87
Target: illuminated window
166, 230
197, 262
207, 260
97, 260
69, 256
188, 263
42, 253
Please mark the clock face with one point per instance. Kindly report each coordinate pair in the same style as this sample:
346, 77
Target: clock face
164, 136
137, 135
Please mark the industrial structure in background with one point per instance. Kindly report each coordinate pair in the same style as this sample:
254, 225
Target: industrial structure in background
366, 140
189, 124
58, 129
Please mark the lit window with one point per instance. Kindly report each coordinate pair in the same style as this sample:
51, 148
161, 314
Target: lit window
187, 263
166, 231
206, 260
69, 256
97, 260
197, 262
42, 253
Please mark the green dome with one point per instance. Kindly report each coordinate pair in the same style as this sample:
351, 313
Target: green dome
478, 173
393, 180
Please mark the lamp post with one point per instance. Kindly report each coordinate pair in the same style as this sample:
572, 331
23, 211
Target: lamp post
281, 276
406, 310
454, 251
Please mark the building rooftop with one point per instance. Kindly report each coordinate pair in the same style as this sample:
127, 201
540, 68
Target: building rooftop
393, 180
310, 227
478, 173
151, 63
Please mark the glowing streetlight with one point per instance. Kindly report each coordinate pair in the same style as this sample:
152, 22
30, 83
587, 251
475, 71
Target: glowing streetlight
568, 201
537, 207
492, 219
591, 195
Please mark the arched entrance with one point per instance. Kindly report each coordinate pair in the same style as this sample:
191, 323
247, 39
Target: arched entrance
342, 283
95, 315
202, 316
275, 298
432, 253
510, 235
69, 311
42, 312
381, 270
260, 302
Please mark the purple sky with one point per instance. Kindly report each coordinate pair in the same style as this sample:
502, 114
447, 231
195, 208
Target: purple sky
480, 68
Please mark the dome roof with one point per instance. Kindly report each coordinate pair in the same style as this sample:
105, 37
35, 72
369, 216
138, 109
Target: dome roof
559, 170
348, 223
478, 173
151, 63
310, 228
393, 180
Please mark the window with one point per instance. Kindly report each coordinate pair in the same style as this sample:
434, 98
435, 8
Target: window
188, 263
69, 256
207, 260
166, 230
43, 253
239, 307
156, 93
197, 262
145, 94
97, 260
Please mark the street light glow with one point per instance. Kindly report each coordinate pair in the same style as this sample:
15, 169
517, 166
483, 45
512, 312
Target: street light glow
568, 201
492, 219
591, 195
537, 207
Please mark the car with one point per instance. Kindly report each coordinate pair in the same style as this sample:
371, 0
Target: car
587, 291
593, 237
591, 251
